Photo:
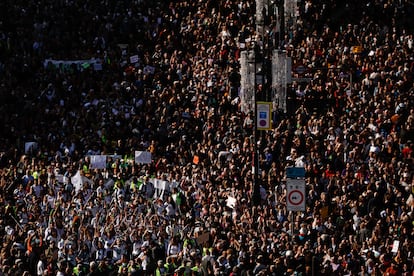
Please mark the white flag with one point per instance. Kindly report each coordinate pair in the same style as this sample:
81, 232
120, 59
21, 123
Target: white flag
77, 181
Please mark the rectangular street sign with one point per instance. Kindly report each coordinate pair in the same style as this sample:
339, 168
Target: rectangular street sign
296, 194
264, 115
294, 172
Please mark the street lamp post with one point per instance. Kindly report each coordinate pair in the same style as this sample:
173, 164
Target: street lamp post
257, 68
255, 79
281, 13
248, 97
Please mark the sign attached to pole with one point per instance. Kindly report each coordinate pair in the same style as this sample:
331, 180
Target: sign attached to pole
296, 195
264, 115
294, 172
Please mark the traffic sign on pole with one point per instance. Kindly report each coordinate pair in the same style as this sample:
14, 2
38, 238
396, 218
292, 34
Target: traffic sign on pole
294, 172
264, 115
296, 196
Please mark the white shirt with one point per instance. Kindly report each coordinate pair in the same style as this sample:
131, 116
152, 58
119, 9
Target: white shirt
40, 268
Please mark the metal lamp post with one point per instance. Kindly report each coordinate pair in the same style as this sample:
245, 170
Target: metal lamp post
251, 78
259, 65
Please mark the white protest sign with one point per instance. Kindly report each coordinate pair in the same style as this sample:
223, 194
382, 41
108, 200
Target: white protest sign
395, 246
160, 186
29, 147
149, 70
98, 162
143, 157
59, 178
115, 156
133, 59
231, 202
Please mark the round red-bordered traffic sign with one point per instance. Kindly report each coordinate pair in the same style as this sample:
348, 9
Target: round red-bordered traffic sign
292, 197
263, 123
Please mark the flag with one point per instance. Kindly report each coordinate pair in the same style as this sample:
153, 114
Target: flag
79, 180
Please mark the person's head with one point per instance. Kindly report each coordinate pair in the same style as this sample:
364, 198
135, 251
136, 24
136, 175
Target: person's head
52, 244
92, 266
160, 263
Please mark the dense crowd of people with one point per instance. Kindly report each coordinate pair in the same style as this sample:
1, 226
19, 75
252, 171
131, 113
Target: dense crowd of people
87, 78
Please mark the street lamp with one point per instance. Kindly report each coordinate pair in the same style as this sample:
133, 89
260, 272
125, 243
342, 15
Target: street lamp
258, 77
280, 8
249, 82
258, 80
251, 78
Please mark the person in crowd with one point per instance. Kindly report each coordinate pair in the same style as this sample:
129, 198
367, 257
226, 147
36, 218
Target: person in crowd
155, 88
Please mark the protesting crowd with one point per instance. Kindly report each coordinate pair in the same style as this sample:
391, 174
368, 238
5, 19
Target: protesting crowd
124, 150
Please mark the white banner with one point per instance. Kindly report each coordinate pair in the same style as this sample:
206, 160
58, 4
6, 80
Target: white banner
80, 64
